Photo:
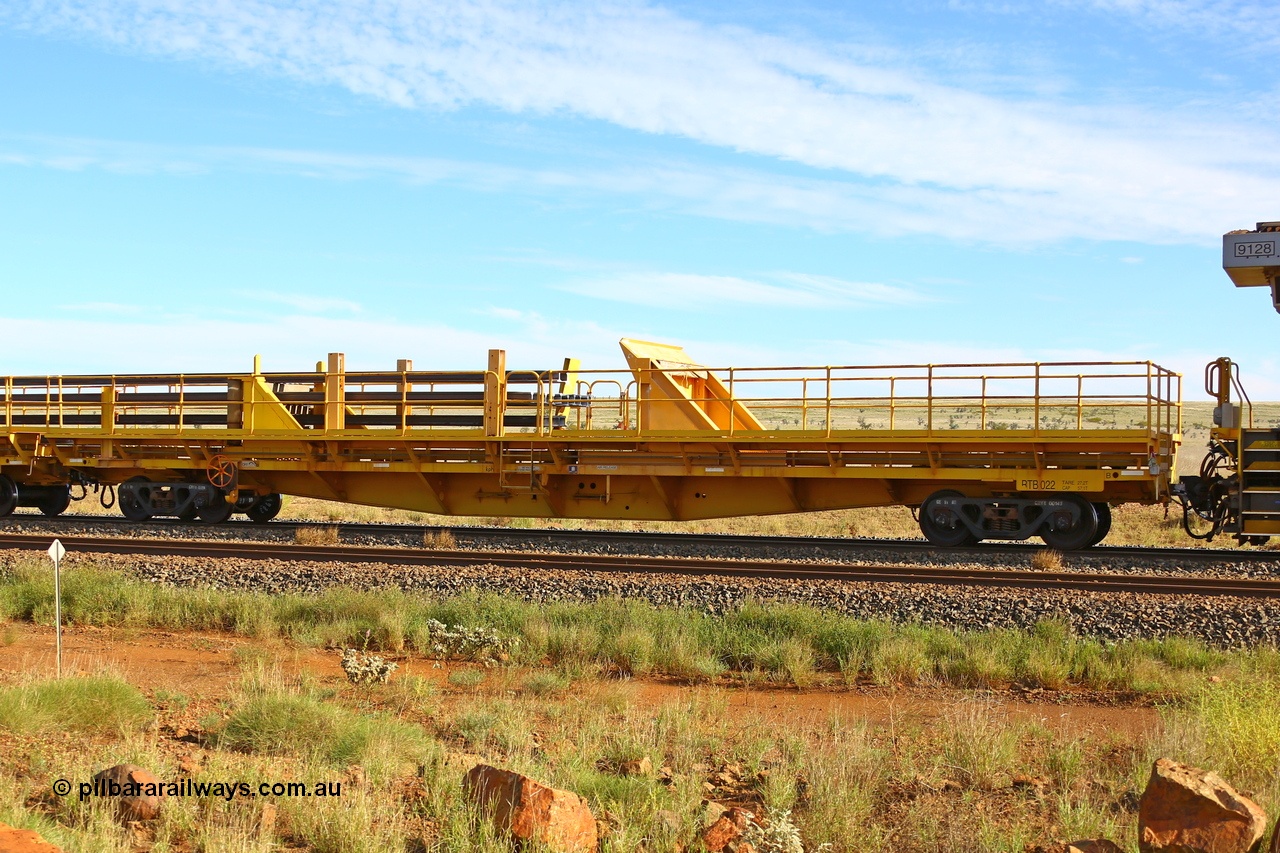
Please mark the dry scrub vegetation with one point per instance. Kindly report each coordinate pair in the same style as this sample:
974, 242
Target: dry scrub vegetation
560, 693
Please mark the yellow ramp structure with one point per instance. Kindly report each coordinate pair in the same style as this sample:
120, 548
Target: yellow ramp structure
679, 395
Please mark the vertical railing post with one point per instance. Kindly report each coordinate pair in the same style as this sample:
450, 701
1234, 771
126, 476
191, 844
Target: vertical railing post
1035, 410
1179, 375
893, 391
642, 422
403, 367
1079, 401
495, 393
828, 412
733, 415
544, 426
1147, 425
929, 400
107, 414
982, 425
804, 402
335, 393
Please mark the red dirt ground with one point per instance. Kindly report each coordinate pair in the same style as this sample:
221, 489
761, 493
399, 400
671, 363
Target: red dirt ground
207, 667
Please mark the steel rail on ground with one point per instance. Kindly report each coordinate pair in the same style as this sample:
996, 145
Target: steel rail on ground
632, 538
730, 568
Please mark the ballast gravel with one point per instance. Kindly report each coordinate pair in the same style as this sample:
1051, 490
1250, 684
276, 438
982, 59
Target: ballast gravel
1229, 563
1217, 620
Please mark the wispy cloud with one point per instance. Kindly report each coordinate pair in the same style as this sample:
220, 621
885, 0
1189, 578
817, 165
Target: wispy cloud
116, 309
788, 290
834, 203
903, 153
1249, 24
305, 303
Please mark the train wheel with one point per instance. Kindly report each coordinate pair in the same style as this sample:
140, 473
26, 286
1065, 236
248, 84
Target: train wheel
217, 512
1062, 533
8, 495
189, 514
942, 524
133, 507
57, 503
1104, 522
265, 508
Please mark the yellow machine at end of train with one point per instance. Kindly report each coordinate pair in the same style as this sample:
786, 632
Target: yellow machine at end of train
1238, 488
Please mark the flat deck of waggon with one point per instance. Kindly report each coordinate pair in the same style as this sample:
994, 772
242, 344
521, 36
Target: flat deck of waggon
665, 438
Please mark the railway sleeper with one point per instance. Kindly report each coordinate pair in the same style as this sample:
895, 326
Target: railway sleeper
1066, 522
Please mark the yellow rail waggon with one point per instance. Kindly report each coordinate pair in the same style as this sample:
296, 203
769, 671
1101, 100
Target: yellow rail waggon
986, 451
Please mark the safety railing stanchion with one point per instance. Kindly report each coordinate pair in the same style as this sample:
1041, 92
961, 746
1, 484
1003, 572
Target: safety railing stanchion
983, 418
828, 413
1035, 409
404, 401
182, 399
1079, 401
640, 404
543, 427
732, 413
929, 399
804, 402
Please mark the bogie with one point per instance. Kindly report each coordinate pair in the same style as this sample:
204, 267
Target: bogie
1067, 522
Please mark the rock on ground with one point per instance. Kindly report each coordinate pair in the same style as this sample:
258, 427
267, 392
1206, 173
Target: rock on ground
725, 832
531, 811
23, 841
1189, 810
133, 802
1094, 845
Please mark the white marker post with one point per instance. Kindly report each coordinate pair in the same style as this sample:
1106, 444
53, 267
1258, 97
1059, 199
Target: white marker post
56, 553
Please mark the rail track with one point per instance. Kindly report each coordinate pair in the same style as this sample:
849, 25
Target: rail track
818, 546
730, 568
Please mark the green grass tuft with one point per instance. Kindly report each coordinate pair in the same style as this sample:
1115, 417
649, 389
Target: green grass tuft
280, 722
98, 703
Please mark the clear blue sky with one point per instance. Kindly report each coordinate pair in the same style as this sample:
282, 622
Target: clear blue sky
185, 184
